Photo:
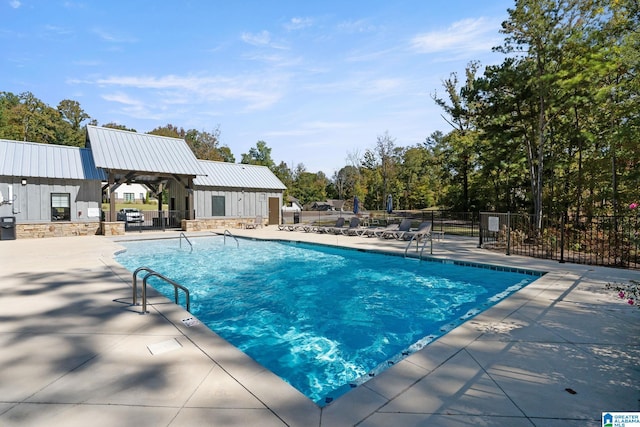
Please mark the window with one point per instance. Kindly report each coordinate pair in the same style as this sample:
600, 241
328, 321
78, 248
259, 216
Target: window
217, 205
129, 197
60, 207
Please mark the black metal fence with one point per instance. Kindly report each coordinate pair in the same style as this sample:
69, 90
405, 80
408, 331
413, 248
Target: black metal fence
456, 223
148, 219
612, 241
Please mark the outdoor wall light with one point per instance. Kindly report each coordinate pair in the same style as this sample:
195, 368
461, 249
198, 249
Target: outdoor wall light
23, 181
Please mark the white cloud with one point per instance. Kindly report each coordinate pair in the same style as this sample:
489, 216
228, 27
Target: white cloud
383, 86
468, 35
255, 92
122, 98
262, 38
132, 107
15, 4
298, 23
358, 26
113, 38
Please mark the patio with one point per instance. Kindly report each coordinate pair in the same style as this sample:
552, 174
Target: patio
75, 352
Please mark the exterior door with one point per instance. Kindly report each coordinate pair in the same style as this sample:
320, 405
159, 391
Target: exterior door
274, 210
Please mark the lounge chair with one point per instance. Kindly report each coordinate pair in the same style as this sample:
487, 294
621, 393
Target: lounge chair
424, 230
307, 227
354, 228
378, 231
404, 226
339, 224
257, 222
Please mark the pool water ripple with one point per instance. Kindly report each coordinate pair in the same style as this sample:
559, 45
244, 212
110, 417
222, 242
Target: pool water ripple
322, 318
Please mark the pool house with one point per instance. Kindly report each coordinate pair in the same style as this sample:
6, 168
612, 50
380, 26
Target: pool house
51, 190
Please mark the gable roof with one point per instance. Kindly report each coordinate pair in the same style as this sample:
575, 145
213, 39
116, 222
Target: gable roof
237, 175
115, 149
30, 159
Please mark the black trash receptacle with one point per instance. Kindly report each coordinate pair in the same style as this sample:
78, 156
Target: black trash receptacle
8, 228
296, 217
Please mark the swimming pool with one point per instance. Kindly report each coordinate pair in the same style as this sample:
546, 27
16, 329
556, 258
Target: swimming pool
324, 319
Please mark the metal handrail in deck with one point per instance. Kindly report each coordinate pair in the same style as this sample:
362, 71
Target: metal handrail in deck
187, 239
417, 237
152, 273
134, 283
227, 232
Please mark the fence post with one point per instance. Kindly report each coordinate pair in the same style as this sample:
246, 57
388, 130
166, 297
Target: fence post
479, 234
562, 226
508, 233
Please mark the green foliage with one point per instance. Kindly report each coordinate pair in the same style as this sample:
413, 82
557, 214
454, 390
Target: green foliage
205, 145
309, 187
259, 155
553, 127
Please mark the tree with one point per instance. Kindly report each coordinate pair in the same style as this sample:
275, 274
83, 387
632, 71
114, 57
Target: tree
537, 31
69, 130
114, 125
259, 155
345, 181
310, 187
461, 115
204, 145
72, 113
10, 120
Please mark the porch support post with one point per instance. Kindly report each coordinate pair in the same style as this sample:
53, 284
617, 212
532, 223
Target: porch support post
190, 213
112, 198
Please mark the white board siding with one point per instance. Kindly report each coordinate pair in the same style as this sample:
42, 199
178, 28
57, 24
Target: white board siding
33, 201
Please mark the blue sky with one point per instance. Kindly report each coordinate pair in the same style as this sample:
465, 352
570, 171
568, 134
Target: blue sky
319, 81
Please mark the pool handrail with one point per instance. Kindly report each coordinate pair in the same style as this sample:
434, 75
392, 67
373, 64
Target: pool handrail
134, 283
430, 240
427, 238
227, 232
153, 273
187, 239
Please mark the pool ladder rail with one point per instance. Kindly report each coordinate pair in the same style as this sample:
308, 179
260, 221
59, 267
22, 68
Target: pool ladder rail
153, 273
426, 238
182, 235
228, 233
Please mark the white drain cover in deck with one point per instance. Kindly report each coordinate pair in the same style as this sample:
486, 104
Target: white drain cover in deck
164, 346
190, 321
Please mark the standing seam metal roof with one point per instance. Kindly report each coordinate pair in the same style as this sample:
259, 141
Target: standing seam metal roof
235, 175
30, 159
115, 149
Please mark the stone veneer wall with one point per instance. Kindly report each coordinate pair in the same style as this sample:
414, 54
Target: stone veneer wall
113, 228
214, 224
56, 229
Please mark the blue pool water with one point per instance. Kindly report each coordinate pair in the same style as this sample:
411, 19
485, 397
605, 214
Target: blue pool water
324, 319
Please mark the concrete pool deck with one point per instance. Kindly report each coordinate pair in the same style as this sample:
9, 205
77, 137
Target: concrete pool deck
74, 352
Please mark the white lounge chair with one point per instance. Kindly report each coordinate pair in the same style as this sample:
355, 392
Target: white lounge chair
331, 229
354, 228
404, 226
257, 222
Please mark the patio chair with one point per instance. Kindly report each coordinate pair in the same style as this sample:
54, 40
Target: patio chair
378, 231
424, 230
307, 227
339, 224
404, 226
354, 228
257, 222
